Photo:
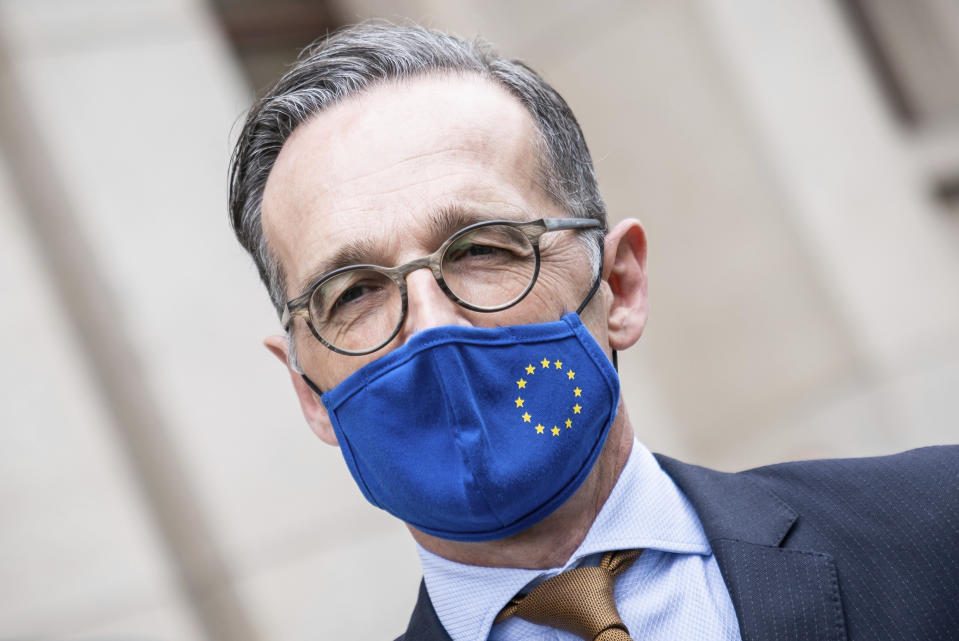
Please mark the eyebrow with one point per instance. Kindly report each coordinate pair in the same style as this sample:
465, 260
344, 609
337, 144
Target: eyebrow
360, 251
442, 223
447, 220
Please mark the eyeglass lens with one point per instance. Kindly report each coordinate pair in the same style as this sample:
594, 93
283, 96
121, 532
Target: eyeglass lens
488, 267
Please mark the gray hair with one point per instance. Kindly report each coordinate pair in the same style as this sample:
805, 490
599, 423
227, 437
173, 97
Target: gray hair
357, 58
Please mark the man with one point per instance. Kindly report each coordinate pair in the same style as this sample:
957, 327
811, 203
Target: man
426, 218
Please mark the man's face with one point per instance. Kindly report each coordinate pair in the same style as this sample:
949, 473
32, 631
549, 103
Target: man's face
387, 176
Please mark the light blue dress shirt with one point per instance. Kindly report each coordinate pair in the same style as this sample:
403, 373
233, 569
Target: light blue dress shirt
673, 591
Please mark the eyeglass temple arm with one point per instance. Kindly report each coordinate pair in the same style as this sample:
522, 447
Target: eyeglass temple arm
286, 319
295, 307
556, 224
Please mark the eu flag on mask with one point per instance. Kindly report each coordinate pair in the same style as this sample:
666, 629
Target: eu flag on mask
548, 396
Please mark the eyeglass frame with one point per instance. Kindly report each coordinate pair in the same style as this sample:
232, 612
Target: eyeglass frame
533, 230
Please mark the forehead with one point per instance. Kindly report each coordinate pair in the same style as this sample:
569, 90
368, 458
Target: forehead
382, 168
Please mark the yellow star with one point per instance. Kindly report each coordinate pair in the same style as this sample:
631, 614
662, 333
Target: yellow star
558, 364
577, 392
521, 383
569, 423
570, 374
519, 402
555, 431
544, 363
526, 417
576, 408
539, 429
530, 369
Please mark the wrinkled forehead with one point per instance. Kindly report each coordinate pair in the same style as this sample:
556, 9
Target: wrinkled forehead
392, 172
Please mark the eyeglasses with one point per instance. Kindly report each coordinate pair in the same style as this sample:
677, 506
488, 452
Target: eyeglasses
485, 267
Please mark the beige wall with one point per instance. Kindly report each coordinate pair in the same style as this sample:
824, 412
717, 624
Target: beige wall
158, 481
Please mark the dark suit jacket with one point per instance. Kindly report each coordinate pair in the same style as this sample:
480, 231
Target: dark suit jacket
831, 550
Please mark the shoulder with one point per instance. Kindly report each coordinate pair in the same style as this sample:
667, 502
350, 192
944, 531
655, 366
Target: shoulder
926, 472
913, 495
929, 474
938, 456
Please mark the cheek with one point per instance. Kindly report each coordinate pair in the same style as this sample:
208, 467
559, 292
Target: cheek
553, 296
324, 367
564, 279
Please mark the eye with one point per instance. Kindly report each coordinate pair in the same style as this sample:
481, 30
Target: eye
487, 244
484, 258
474, 249
355, 293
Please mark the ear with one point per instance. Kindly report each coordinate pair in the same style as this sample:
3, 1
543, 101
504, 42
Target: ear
624, 269
313, 410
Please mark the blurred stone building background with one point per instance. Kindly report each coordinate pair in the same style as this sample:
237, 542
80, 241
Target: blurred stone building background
796, 164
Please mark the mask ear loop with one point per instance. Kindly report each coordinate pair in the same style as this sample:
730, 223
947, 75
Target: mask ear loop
596, 282
592, 292
312, 385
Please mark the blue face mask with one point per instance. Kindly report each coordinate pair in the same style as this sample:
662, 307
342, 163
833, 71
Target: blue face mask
475, 434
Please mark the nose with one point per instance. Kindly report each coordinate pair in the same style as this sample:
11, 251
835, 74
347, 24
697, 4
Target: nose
429, 306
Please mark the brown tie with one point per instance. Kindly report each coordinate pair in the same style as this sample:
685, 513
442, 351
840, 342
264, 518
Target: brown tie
579, 601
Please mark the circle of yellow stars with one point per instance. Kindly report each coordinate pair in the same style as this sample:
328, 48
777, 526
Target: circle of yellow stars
530, 370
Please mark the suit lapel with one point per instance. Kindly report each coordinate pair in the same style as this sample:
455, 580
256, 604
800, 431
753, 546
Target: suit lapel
778, 592
424, 624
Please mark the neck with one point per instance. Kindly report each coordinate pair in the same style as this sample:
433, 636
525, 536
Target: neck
551, 542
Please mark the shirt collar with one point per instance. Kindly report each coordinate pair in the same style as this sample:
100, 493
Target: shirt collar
644, 510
